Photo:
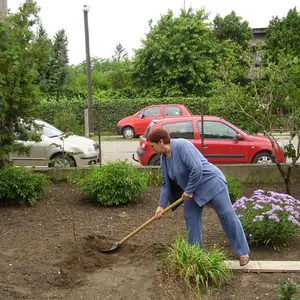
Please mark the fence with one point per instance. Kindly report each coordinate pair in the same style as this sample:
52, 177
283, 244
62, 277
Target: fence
220, 141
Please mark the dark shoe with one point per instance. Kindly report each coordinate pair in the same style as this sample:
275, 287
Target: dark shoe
244, 259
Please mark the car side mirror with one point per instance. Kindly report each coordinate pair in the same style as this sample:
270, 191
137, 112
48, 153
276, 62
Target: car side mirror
142, 116
239, 137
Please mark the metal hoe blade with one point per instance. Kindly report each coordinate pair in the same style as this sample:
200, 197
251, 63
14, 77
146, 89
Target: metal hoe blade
114, 248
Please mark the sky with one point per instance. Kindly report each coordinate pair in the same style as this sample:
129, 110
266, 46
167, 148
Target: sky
126, 21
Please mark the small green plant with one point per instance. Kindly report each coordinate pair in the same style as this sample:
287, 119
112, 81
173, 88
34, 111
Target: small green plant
155, 177
287, 290
21, 185
234, 187
269, 218
197, 267
114, 183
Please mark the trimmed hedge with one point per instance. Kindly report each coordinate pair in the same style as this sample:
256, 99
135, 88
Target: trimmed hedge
113, 110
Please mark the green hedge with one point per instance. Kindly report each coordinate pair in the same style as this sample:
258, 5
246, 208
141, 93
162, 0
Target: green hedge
112, 110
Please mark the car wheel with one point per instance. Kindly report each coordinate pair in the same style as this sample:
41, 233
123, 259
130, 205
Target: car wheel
155, 161
263, 158
128, 132
61, 161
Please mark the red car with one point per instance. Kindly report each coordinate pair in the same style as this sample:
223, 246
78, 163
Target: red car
136, 125
221, 143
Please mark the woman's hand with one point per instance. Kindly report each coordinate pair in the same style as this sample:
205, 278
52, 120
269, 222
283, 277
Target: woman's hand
186, 196
158, 211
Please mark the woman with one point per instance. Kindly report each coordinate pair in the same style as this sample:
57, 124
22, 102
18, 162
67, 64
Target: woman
201, 182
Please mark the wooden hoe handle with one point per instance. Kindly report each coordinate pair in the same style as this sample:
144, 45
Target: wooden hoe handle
149, 221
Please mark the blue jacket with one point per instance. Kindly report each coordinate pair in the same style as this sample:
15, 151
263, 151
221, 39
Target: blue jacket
192, 172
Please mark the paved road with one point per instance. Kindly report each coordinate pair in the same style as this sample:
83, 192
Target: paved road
123, 149
120, 149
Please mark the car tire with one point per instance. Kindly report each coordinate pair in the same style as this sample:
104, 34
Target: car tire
263, 158
128, 132
57, 161
154, 161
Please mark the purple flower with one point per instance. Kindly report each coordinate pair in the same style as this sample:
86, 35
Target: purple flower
257, 206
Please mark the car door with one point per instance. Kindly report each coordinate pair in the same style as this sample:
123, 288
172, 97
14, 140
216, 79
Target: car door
36, 157
222, 144
146, 116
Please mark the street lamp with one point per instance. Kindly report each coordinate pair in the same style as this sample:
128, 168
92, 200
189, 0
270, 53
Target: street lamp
86, 9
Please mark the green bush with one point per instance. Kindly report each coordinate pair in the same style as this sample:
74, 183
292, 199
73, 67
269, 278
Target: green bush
114, 183
269, 218
197, 267
21, 185
234, 187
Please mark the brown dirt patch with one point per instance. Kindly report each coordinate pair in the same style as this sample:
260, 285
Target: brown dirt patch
39, 258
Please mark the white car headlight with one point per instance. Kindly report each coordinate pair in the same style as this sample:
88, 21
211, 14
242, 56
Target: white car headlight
90, 149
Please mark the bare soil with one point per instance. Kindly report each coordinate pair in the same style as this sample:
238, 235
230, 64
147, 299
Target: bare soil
52, 251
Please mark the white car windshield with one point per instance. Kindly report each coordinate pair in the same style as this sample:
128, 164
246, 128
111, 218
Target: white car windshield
49, 130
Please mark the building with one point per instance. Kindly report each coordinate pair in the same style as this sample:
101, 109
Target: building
259, 34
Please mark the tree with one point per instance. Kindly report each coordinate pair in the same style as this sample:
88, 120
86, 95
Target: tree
111, 79
231, 27
270, 101
20, 58
55, 73
45, 45
283, 34
119, 53
178, 56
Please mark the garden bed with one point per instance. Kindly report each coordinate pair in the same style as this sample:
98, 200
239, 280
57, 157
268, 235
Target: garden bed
39, 260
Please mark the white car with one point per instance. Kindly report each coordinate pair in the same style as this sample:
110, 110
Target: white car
57, 149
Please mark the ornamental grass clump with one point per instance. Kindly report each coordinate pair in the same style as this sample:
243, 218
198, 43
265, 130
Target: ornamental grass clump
197, 267
269, 218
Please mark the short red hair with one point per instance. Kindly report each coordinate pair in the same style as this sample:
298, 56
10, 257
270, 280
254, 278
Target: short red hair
158, 134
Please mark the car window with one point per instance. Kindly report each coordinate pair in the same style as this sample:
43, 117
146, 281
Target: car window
151, 112
182, 129
173, 110
216, 130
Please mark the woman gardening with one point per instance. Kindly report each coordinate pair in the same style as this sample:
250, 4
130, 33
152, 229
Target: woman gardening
201, 182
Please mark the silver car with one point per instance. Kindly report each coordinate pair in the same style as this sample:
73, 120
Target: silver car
57, 149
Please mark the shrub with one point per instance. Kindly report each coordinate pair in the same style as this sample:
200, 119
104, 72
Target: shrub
234, 187
196, 266
114, 183
21, 185
269, 218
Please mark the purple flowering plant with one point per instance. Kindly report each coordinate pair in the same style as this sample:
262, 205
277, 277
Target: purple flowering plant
269, 218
